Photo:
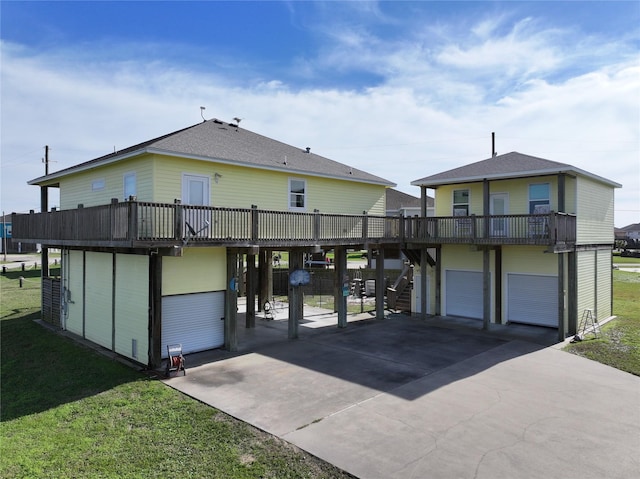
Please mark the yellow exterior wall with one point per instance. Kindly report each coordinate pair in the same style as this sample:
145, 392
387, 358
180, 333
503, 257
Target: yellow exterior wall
461, 257
98, 298
73, 278
517, 189
528, 259
595, 212
77, 189
198, 270
241, 187
132, 306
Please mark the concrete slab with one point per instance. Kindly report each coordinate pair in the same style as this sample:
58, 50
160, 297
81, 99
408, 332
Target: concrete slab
404, 398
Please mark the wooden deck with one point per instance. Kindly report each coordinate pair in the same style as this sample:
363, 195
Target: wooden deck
135, 224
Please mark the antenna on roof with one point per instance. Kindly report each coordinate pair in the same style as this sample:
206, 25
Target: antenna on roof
202, 109
493, 144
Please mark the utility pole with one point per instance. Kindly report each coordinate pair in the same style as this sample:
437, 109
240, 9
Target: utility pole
4, 236
44, 207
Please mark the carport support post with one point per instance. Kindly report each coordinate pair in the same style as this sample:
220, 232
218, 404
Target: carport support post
562, 320
265, 274
231, 303
250, 317
486, 287
296, 306
341, 274
380, 284
424, 253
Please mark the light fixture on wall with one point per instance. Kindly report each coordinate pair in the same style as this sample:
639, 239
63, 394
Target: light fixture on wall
216, 177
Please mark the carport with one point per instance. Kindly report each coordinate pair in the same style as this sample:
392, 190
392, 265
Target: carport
407, 397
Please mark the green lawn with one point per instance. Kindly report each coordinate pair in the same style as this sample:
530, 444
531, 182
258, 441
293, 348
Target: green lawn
68, 411
625, 260
619, 344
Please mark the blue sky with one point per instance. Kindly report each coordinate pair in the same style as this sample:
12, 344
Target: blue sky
400, 89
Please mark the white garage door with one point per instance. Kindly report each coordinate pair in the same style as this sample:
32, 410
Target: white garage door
532, 299
193, 320
464, 294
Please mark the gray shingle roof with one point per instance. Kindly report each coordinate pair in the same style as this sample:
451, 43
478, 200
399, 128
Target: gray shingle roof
217, 141
396, 200
509, 165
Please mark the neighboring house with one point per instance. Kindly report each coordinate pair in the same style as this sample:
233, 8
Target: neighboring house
152, 235
519, 239
631, 231
403, 204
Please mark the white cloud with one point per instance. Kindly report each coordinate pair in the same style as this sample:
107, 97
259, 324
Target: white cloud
419, 119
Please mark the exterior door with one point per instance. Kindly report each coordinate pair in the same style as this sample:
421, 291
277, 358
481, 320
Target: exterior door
195, 198
499, 205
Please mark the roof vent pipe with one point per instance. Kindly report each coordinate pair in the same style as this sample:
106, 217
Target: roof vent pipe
308, 149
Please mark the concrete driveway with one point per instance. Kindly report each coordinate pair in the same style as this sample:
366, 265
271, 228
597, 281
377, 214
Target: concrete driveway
411, 398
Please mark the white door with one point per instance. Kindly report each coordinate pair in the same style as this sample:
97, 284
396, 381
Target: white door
532, 299
499, 205
464, 294
194, 320
195, 195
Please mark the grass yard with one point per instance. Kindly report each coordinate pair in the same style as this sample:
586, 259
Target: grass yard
619, 345
617, 259
68, 411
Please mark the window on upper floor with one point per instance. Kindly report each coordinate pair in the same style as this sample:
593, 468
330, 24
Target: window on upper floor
539, 198
461, 202
297, 194
129, 185
98, 185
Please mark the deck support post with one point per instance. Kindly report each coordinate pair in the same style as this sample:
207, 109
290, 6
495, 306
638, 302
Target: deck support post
380, 286
572, 293
486, 288
250, 317
265, 278
296, 305
438, 310
231, 303
155, 311
498, 283
343, 282
424, 254
562, 319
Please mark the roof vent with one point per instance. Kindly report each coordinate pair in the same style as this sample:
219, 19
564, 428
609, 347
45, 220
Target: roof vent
215, 120
285, 159
308, 149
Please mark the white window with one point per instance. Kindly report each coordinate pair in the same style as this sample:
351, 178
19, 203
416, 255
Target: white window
129, 185
539, 195
460, 202
97, 185
297, 194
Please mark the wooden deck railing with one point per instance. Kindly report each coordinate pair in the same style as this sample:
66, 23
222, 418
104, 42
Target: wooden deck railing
143, 224
540, 229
